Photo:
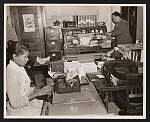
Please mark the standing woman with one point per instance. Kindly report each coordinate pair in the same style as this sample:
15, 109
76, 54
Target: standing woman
21, 97
121, 29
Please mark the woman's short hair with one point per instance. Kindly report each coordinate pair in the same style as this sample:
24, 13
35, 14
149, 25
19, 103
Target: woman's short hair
117, 14
16, 47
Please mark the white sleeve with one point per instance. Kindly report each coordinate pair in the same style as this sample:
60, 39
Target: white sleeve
13, 89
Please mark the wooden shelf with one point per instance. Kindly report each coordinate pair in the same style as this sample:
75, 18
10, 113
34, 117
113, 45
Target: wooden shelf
83, 30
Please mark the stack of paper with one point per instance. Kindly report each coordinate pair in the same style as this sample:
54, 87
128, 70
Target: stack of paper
89, 67
73, 68
73, 64
100, 64
80, 72
72, 72
85, 38
106, 44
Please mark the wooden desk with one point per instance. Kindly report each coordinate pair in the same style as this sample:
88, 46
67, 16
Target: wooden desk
86, 102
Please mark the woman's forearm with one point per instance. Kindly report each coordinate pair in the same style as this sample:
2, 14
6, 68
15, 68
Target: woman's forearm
33, 95
39, 92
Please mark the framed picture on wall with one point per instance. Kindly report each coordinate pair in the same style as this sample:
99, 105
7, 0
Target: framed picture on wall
28, 21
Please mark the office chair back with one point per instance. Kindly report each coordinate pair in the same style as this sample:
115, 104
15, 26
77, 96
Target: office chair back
136, 55
134, 92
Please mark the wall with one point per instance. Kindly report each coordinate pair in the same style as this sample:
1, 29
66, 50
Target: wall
105, 15
61, 12
10, 30
115, 8
52, 13
139, 35
8, 17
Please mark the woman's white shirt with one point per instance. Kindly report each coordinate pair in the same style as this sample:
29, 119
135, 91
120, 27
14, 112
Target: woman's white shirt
18, 88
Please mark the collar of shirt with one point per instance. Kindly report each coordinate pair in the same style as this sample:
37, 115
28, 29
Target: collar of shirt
15, 66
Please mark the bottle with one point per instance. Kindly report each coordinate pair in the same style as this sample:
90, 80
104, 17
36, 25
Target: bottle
76, 20
95, 19
79, 21
84, 21
87, 20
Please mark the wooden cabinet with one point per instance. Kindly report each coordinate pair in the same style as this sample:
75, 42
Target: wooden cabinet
53, 43
53, 46
73, 39
52, 33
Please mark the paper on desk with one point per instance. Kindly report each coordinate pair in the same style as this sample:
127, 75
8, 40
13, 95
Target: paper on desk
100, 64
100, 76
106, 44
89, 67
71, 74
93, 43
80, 72
72, 64
85, 38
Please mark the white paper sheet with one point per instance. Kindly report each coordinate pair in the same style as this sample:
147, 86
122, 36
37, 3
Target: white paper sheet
42, 60
89, 67
100, 76
72, 64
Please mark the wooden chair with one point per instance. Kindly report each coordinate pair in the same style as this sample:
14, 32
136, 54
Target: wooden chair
136, 55
134, 92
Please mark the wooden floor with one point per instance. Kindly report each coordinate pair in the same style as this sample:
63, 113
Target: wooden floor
89, 57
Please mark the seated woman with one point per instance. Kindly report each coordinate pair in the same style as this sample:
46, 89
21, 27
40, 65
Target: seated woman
21, 97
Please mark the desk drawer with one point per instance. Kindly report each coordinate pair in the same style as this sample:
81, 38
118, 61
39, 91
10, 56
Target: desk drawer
54, 56
53, 46
52, 34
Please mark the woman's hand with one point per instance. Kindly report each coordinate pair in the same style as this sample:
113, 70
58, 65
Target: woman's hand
43, 91
39, 92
